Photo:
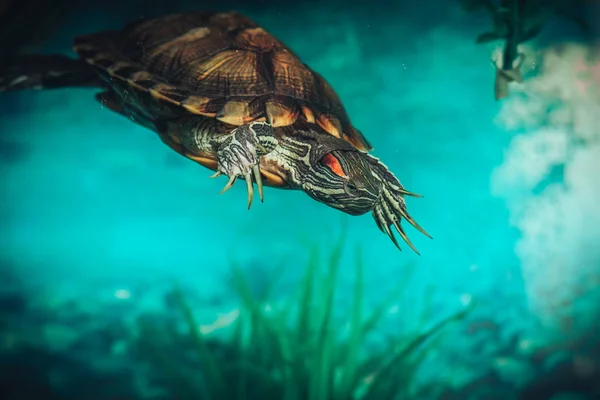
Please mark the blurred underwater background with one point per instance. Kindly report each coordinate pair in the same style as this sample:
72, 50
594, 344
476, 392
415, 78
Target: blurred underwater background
124, 275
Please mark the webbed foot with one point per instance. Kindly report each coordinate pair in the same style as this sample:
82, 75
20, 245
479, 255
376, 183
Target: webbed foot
239, 154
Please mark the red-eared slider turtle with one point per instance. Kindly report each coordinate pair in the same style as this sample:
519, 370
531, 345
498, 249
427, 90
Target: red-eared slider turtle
220, 90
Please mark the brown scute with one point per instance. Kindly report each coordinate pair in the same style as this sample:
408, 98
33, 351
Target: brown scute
308, 114
233, 113
191, 36
330, 124
291, 78
143, 36
161, 91
168, 93
331, 101
356, 139
239, 112
122, 68
281, 111
222, 66
228, 74
145, 84
210, 108
256, 39
140, 76
198, 105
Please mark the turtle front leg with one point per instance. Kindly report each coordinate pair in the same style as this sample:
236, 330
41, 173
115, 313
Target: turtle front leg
239, 152
236, 151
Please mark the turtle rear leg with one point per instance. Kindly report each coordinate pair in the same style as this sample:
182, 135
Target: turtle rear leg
46, 71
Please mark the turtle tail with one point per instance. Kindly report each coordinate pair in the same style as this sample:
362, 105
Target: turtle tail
45, 71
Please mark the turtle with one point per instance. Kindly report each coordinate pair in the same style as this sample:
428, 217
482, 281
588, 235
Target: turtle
222, 91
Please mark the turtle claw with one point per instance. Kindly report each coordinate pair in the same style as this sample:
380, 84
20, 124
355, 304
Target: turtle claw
388, 212
249, 184
250, 190
390, 209
229, 184
259, 183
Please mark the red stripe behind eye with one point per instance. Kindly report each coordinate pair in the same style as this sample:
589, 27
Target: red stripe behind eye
334, 165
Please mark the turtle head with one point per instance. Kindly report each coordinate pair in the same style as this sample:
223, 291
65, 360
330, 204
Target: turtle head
343, 179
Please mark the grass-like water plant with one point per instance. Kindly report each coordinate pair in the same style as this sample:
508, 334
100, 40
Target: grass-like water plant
297, 351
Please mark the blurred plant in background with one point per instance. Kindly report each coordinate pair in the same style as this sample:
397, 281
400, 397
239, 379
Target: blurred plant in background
515, 22
299, 345
293, 350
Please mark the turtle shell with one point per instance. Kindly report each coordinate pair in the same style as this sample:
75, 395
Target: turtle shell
220, 65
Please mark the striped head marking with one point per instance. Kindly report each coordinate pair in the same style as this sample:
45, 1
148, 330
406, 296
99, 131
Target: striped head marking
343, 179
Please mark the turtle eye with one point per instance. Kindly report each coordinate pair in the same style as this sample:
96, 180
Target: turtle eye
334, 165
351, 188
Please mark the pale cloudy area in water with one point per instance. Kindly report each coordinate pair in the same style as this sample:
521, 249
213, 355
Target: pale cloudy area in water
548, 178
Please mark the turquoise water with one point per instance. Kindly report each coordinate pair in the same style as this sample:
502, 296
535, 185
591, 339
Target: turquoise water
93, 204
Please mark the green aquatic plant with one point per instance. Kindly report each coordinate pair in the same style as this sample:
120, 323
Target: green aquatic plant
515, 22
296, 351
